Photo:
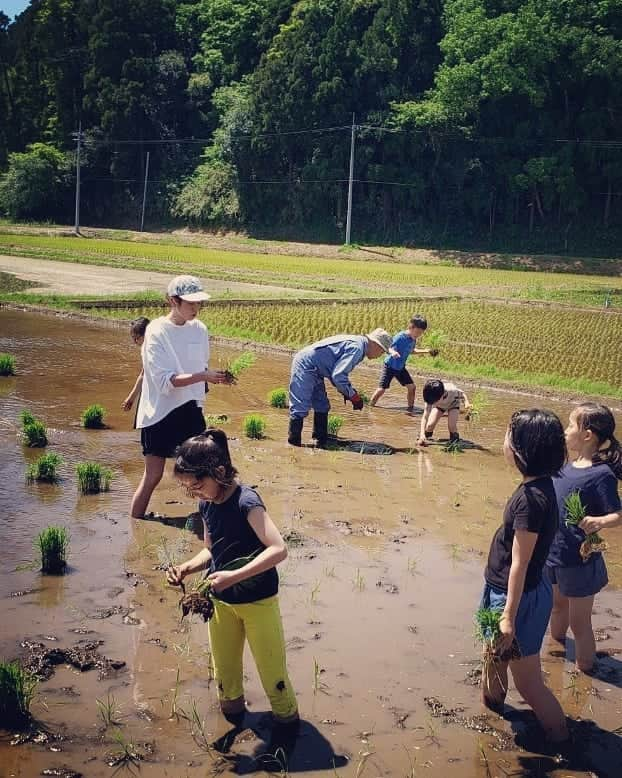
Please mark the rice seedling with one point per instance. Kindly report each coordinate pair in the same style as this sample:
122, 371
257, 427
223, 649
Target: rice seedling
314, 592
7, 365
278, 398
240, 364
92, 418
318, 684
575, 513
109, 712
174, 712
127, 755
17, 689
453, 447
488, 632
44, 469
199, 734
254, 426
335, 423
358, 581
51, 545
34, 431
479, 403
435, 340
93, 477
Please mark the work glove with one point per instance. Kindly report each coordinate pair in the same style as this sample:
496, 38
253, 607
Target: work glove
357, 402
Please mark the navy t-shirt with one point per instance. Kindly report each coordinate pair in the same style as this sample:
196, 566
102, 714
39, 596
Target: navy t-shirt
231, 537
598, 488
532, 508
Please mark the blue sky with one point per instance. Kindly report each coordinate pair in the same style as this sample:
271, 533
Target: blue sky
13, 7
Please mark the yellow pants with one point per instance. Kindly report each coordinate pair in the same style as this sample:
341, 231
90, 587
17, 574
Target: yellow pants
260, 623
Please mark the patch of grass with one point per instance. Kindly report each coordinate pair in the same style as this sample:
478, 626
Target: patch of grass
278, 398
335, 423
254, 426
93, 417
17, 689
93, 477
7, 365
52, 545
34, 431
44, 469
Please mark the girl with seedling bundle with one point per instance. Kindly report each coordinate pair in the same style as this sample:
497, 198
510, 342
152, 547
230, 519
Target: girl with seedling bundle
588, 500
516, 591
242, 548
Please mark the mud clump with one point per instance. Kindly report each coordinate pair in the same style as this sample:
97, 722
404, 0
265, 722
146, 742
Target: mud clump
84, 655
194, 602
478, 723
61, 772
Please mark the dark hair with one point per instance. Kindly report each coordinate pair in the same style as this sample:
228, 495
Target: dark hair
537, 441
433, 391
138, 327
420, 322
206, 456
599, 419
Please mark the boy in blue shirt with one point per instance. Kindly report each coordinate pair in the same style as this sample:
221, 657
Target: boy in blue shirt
404, 343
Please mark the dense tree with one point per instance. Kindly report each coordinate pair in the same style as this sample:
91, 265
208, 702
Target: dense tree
36, 184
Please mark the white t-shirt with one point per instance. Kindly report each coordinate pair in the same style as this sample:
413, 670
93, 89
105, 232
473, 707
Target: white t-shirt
169, 350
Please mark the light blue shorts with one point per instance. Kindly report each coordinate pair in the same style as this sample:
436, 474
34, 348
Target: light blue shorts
534, 612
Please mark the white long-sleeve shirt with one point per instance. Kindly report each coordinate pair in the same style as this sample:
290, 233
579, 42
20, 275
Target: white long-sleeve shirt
169, 350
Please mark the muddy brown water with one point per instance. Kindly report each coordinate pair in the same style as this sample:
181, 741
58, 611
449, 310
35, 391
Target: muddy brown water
377, 599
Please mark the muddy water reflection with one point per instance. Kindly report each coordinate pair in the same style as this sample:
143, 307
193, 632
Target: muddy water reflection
378, 592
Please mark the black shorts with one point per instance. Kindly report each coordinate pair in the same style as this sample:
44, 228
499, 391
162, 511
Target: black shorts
163, 437
388, 374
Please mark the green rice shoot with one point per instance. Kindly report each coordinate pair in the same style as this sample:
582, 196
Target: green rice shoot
575, 513
26, 417
487, 629
479, 403
17, 689
254, 426
93, 417
241, 363
435, 339
7, 365
52, 545
93, 477
44, 469
335, 423
278, 398
34, 431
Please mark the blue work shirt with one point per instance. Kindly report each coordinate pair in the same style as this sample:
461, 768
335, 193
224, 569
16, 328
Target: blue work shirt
335, 358
404, 345
598, 488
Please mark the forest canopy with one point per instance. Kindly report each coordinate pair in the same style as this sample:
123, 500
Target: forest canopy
476, 121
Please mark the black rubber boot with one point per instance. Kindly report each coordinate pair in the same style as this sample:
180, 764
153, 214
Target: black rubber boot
429, 434
454, 437
294, 434
320, 429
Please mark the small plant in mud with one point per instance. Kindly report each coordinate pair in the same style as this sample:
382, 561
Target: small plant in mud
126, 754
7, 365
44, 469
479, 403
109, 711
17, 689
52, 545
240, 364
33, 430
254, 426
575, 513
453, 447
92, 418
93, 477
278, 398
335, 423
358, 581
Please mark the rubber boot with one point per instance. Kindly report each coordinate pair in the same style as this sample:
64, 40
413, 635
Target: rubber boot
294, 433
454, 437
320, 428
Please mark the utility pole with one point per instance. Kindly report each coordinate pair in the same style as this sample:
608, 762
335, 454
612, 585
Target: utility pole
142, 215
350, 183
77, 136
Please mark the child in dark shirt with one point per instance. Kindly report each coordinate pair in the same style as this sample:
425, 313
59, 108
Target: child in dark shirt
515, 585
137, 333
593, 474
246, 605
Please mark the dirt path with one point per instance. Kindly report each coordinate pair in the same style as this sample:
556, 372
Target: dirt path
73, 278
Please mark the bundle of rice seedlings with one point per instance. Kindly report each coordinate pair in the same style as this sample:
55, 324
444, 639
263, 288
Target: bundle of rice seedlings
93, 477
51, 545
17, 688
237, 366
575, 513
199, 600
278, 398
7, 365
33, 430
335, 423
93, 417
488, 632
435, 340
254, 426
44, 469
479, 403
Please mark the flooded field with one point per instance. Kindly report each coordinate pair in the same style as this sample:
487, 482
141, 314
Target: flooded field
378, 593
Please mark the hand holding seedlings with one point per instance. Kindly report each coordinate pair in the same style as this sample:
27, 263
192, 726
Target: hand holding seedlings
175, 577
222, 579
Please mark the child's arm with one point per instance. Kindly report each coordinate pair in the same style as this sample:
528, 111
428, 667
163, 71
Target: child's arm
275, 552
424, 421
129, 400
420, 351
522, 551
592, 524
175, 575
